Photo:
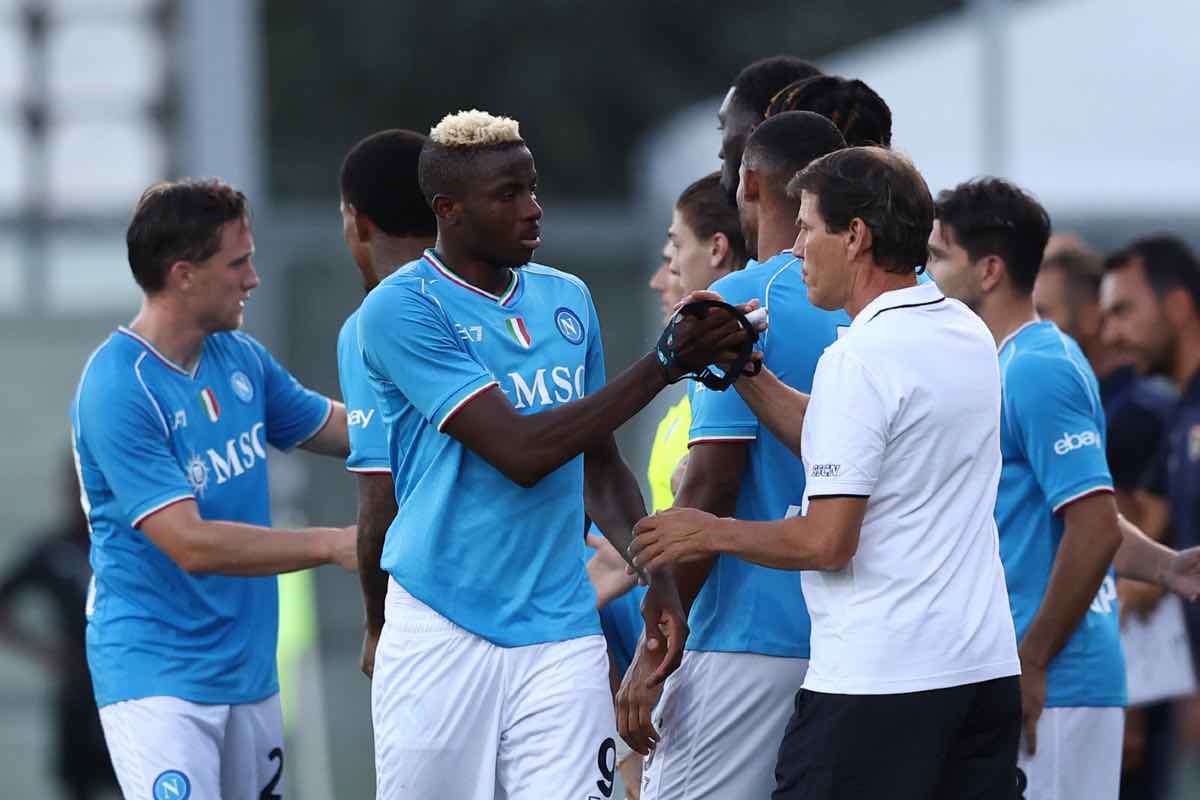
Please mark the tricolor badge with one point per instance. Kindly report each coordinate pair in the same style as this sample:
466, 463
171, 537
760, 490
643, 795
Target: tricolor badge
209, 401
516, 327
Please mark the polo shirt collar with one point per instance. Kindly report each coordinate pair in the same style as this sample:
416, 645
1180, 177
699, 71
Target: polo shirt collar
920, 295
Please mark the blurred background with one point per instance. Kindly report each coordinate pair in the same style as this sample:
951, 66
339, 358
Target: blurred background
1089, 103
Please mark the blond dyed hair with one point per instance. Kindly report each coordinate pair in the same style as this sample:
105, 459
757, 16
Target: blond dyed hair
475, 128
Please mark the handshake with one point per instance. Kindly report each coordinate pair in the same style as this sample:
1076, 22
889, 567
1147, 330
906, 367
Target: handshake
711, 341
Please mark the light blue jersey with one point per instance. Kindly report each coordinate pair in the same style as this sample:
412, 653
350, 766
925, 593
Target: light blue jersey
148, 434
744, 607
368, 436
1052, 439
498, 560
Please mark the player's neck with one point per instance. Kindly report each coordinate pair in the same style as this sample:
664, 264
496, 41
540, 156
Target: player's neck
777, 232
170, 334
874, 281
1004, 316
480, 274
391, 253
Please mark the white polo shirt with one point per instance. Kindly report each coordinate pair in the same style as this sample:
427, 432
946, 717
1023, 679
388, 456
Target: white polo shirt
905, 411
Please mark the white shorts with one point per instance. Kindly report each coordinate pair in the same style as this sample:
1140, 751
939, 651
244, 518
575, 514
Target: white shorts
459, 718
721, 719
1078, 755
164, 748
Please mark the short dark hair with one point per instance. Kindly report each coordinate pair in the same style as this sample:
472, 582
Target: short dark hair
789, 142
757, 83
1082, 271
449, 169
859, 113
885, 191
179, 221
707, 210
991, 216
379, 178
1167, 262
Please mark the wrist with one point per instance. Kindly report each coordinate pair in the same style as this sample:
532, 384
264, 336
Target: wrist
1032, 654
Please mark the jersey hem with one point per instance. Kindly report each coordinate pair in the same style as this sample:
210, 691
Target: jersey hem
370, 470
324, 421
872, 686
1099, 489
160, 507
441, 426
190, 697
720, 439
745, 650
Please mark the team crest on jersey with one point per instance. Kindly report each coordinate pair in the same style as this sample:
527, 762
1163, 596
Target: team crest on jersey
211, 407
518, 331
197, 474
172, 785
569, 325
1194, 443
241, 385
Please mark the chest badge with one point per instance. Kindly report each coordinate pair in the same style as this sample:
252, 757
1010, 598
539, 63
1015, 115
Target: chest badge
518, 331
243, 389
211, 407
569, 325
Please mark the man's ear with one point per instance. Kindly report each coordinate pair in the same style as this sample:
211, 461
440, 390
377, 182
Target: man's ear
858, 239
719, 251
753, 185
992, 271
363, 227
446, 209
179, 275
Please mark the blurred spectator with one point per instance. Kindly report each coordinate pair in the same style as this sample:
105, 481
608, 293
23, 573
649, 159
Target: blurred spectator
1067, 292
57, 567
1151, 299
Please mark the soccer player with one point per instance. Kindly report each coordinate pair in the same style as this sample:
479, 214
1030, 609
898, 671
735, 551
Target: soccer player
860, 114
1059, 526
745, 106
721, 716
386, 224
911, 690
490, 675
170, 425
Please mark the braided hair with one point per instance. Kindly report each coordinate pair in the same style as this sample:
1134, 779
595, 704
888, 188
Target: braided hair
859, 113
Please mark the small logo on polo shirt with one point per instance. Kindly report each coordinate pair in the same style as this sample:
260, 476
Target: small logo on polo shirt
826, 470
1074, 441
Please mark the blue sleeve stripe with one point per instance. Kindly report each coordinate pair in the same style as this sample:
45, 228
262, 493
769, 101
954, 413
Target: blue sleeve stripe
179, 498
324, 421
441, 426
1096, 489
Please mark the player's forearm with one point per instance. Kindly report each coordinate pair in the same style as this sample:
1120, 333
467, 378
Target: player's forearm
778, 406
611, 495
1140, 557
790, 544
545, 441
231, 548
376, 510
1082, 561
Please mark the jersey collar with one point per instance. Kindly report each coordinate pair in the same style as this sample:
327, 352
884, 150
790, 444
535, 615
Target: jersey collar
504, 298
154, 352
1004, 343
923, 294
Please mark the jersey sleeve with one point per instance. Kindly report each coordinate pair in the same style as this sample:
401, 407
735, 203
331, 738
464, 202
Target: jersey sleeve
408, 341
120, 426
1060, 426
368, 437
294, 414
594, 375
845, 428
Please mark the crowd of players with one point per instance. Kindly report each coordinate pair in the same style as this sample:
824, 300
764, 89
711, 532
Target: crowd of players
955, 498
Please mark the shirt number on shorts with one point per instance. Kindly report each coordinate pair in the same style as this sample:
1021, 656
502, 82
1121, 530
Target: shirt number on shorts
268, 792
606, 760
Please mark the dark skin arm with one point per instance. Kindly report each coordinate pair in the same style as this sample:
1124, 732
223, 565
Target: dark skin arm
1090, 540
376, 510
711, 482
534, 445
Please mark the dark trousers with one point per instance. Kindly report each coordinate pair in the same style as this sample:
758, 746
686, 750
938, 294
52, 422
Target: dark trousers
958, 743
